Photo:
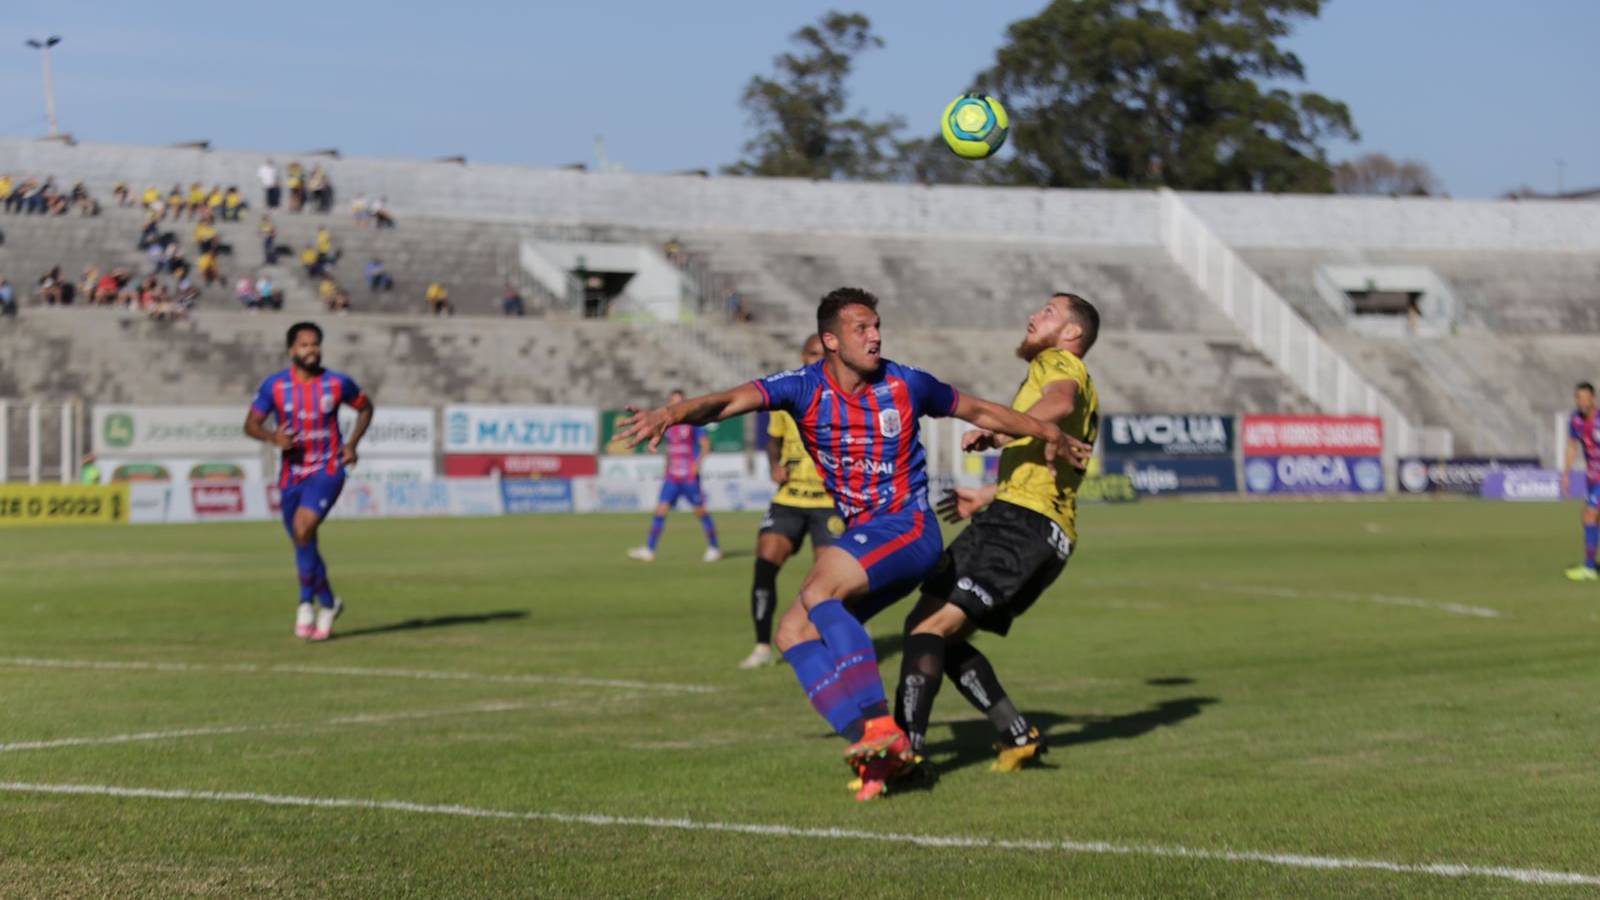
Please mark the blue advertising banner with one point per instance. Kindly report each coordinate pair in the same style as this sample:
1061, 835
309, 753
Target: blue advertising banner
1313, 474
537, 495
1460, 475
1168, 435
1153, 476
1532, 484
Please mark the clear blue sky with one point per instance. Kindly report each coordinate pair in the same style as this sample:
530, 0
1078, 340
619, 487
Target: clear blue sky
1490, 93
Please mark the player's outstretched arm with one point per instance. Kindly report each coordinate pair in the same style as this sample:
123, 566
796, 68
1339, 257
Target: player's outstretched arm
649, 425
1057, 402
1005, 420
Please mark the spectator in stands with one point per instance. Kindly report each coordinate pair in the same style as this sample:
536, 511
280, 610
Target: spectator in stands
108, 287
378, 277
380, 213
360, 211
89, 473
8, 187
325, 249
321, 189
232, 204
267, 296
122, 195
268, 176
311, 260
196, 200
8, 299
51, 290
186, 293
209, 269
334, 297
511, 302
269, 240
438, 298
245, 292
175, 204
86, 285
151, 232
214, 201
674, 252
297, 187
87, 205
152, 200
205, 236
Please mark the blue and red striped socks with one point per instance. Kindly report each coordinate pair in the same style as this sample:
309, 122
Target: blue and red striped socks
813, 665
840, 672
306, 561
1591, 540
655, 531
711, 530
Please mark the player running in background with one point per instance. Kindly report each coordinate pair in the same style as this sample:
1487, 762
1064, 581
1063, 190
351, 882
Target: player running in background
304, 399
1017, 545
801, 506
1583, 436
686, 446
858, 415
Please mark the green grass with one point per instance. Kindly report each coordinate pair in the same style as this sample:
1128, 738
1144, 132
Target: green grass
1222, 676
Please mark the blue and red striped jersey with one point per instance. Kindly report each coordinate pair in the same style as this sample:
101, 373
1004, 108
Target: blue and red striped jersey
1586, 431
308, 407
683, 451
867, 445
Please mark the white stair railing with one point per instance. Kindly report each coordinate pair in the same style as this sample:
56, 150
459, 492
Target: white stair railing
1282, 335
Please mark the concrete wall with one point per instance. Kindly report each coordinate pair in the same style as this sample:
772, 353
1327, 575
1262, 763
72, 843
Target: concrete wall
1300, 221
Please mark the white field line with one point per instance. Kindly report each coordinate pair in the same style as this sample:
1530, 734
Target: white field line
1458, 609
355, 672
360, 719
1294, 860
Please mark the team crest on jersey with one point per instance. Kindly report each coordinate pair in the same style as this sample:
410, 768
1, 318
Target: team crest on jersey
327, 403
889, 422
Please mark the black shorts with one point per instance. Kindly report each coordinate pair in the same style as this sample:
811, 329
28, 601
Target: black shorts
1000, 565
795, 523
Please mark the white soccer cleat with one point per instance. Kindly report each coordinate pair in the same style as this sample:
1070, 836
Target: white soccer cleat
325, 617
759, 657
712, 554
642, 554
304, 619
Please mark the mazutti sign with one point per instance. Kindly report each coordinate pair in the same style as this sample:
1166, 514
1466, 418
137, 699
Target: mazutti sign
1168, 435
521, 429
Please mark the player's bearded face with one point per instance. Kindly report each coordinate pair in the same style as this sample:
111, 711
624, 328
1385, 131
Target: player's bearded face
307, 353
1044, 330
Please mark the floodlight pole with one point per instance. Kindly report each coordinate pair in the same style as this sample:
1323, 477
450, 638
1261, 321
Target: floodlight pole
49, 86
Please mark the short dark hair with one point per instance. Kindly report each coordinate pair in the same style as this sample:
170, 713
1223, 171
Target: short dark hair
1585, 386
836, 300
1084, 313
296, 328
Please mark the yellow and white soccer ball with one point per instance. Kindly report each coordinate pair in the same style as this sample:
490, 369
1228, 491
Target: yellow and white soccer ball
975, 126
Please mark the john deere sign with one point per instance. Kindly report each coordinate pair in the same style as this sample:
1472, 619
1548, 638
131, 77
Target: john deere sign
172, 430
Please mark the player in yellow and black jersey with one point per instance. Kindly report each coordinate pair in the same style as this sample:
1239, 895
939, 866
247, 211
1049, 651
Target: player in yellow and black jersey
1023, 530
802, 506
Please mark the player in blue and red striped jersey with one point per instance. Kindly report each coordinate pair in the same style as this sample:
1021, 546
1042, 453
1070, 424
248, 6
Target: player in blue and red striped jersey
858, 416
1583, 437
687, 445
304, 399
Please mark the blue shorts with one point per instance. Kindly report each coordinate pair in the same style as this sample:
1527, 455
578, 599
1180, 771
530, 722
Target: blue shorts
319, 492
689, 491
898, 550
1591, 497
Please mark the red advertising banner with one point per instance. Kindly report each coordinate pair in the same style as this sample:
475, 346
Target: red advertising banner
520, 465
217, 498
1313, 436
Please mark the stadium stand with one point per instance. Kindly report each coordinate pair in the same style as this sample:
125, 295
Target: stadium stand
956, 266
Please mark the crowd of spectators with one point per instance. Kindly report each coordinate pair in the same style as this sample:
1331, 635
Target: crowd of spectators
43, 197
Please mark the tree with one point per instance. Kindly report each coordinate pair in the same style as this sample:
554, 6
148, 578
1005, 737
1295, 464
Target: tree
1141, 93
799, 114
1376, 173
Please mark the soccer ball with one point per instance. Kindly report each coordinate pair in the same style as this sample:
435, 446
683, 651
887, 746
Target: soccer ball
975, 126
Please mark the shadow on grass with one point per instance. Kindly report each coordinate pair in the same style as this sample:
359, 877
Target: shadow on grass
436, 622
972, 740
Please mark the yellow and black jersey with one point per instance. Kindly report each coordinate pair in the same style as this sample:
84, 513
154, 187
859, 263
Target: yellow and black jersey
1025, 480
804, 489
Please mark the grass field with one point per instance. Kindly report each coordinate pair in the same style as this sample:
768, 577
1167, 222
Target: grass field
1252, 700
